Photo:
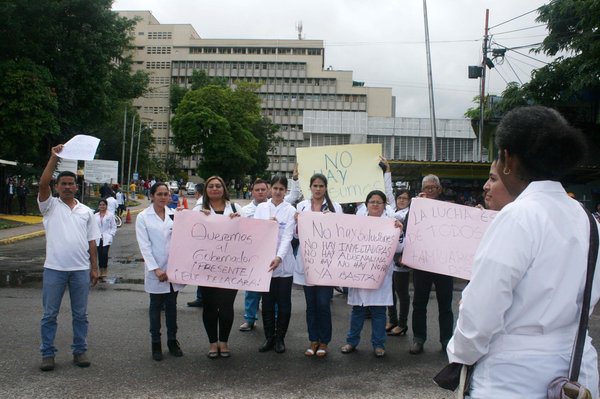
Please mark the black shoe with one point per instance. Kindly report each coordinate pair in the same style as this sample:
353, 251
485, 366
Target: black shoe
81, 360
267, 345
195, 304
174, 348
416, 348
279, 345
157, 351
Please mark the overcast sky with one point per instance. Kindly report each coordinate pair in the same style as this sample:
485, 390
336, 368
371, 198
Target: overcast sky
381, 41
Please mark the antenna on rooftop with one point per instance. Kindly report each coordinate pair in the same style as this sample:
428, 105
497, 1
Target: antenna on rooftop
299, 29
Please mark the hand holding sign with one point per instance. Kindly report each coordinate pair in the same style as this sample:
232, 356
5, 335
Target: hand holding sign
219, 251
346, 250
442, 237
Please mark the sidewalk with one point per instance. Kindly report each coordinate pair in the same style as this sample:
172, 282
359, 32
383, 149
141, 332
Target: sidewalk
35, 228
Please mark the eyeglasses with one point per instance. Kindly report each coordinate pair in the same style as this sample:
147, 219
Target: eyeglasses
375, 203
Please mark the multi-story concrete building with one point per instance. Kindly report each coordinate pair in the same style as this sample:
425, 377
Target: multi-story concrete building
291, 73
311, 104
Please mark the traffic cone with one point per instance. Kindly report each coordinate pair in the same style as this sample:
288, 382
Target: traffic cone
185, 204
128, 217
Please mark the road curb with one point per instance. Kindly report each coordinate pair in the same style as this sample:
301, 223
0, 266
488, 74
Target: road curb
21, 237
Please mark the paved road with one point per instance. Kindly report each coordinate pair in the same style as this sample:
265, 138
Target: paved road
119, 347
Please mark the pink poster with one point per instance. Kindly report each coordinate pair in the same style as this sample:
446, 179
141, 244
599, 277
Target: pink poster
442, 237
216, 251
346, 250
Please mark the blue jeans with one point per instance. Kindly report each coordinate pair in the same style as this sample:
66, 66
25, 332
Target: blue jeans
318, 313
251, 302
357, 319
54, 285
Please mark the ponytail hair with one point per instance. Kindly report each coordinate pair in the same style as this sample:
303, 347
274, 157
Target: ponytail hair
328, 201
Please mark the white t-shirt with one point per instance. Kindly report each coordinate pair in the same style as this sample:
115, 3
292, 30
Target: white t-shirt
68, 233
112, 205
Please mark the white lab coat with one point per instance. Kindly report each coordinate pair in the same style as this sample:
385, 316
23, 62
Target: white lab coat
382, 296
520, 312
305, 206
108, 228
284, 214
154, 238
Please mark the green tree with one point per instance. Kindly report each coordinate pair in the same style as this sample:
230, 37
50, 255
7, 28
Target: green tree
81, 44
28, 109
216, 122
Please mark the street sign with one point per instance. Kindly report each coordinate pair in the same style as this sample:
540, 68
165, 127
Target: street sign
100, 171
135, 176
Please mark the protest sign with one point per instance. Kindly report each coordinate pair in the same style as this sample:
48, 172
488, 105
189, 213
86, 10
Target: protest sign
346, 250
101, 171
217, 251
80, 147
352, 170
442, 237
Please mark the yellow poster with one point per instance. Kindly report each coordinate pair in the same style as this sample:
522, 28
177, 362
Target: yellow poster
352, 170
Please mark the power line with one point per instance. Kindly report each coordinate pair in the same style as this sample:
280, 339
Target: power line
518, 30
499, 74
526, 63
513, 69
341, 44
512, 19
524, 55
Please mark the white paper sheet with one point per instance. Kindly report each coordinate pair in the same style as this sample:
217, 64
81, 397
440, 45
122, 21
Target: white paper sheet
81, 147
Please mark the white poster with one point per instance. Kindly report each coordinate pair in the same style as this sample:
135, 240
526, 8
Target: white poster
101, 171
80, 147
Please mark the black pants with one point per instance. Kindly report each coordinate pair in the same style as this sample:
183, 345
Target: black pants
103, 255
22, 204
217, 313
280, 294
170, 302
400, 282
444, 285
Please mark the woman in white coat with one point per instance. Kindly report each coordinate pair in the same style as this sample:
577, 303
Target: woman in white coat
153, 228
374, 301
318, 298
520, 312
108, 229
217, 314
280, 290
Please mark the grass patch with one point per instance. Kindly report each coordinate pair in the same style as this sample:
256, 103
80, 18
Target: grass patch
9, 224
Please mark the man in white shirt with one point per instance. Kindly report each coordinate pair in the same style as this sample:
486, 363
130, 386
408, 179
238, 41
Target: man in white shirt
120, 202
260, 193
112, 204
71, 260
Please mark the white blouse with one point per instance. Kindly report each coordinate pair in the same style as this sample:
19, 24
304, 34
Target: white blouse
284, 214
520, 311
108, 227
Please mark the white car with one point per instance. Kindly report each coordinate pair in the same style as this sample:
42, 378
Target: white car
173, 185
190, 188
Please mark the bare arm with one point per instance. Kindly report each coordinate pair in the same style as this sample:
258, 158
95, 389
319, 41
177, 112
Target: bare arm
93, 262
44, 192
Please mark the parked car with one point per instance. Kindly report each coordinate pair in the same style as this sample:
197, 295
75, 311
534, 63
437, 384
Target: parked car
173, 185
190, 188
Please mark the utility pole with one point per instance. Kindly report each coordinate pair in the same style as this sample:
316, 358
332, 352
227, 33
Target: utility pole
131, 153
123, 147
430, 84
482, 94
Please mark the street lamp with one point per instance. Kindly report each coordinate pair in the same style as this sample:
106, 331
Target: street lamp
137, 154
130, 154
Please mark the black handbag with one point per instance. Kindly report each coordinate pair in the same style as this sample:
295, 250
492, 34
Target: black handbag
568, 387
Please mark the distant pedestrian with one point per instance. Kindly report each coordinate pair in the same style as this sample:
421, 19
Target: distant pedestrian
22, 192
132, 190
71, 260
11, 190
120, 202
108, 228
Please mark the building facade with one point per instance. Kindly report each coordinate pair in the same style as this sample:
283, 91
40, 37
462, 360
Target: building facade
291, 74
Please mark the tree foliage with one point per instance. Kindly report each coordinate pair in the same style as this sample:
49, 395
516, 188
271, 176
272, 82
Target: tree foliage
74, 50
224, 125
